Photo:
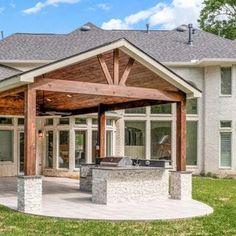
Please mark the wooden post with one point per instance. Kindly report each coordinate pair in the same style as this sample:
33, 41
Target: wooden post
116, 66
181, 135
101, 130
30, 132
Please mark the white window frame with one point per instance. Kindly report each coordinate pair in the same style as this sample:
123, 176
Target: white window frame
227, 130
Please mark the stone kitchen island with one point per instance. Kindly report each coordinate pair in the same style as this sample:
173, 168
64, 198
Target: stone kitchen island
129, 184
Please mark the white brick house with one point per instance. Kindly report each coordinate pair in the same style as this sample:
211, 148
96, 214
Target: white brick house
209, 64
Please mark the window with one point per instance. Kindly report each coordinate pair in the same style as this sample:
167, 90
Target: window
6, 141
225, 149
225, 124
161, 140
94, 121
49, 149
64, 149
80, 121
109, 122
21, 121
80, 144
191, 142
109, 141
64, 121
49, 122
109, 144
226, 81
161, 109
191, 106
6, 121
139, 110
135, 139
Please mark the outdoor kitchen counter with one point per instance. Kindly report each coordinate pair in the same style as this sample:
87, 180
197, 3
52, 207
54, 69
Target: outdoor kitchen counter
129, 184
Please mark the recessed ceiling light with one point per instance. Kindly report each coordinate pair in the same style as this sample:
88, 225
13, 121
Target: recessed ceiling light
69, 96
48, 99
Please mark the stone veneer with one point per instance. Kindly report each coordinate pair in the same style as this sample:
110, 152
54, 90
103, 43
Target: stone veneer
61, 173
134, 184
181, 185
86, 177
29, 193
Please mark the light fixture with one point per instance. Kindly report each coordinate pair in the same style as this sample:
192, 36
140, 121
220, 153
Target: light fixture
40, 133
69, 96
48, 99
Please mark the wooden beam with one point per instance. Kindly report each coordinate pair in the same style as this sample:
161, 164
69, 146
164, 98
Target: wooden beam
101, 131
13, 91
111, 107
127, 71
68, 86
30, 132
105, 69
116, 66
181, 136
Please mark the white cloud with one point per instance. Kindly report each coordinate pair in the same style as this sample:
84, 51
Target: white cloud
166, 16
2, 9
40, 5
104, 6
13, 5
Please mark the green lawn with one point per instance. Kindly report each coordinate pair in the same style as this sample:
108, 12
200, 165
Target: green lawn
218, 193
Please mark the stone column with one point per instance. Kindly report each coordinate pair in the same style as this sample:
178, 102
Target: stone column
181, 185
29, 193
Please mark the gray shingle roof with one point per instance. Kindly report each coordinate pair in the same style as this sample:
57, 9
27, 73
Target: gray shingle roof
6, 72
165, 46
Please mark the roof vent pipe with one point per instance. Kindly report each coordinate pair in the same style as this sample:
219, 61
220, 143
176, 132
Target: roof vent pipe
190, 31
147, 28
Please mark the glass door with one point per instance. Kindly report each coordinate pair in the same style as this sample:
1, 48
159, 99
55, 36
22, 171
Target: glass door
80, 145
21, 152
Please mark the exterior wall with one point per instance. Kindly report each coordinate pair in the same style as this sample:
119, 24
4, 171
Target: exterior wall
217, 107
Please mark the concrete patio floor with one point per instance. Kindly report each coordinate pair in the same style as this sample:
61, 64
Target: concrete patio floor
62, 198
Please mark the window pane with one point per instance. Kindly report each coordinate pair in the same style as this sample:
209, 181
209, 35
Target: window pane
161, 109
161, 140
64, 121
94, 143
49, 122
225, 124
191, 142
80, 121
49, 149
191, 106
225, 154
94, 121
226, 81
109, 139
6, 141
21, 121
22, 151
6, 121
139, 110
64, 149
109, 122
135, 139
80, 145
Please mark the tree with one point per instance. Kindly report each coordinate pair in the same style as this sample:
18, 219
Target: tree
219, 17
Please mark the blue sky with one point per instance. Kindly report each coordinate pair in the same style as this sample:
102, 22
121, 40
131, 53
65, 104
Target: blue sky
63, 16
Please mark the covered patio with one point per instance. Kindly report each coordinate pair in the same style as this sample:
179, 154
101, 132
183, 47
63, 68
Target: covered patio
114, 76
78, 205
